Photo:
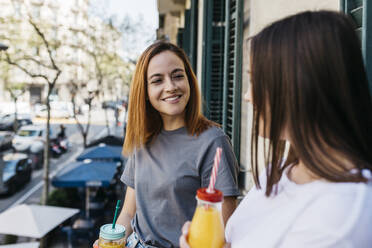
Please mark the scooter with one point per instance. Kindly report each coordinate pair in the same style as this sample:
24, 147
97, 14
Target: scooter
63, 144
55, 150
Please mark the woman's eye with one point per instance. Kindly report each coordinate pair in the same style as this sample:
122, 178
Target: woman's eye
156, 81
178, 76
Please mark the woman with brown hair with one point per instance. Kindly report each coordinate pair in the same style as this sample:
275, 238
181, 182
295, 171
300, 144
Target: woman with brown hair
171, 147
309, 89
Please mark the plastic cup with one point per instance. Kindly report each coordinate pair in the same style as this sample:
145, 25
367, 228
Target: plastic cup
111, 237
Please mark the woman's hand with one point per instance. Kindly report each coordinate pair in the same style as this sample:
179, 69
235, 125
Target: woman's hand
185, 232
95, 245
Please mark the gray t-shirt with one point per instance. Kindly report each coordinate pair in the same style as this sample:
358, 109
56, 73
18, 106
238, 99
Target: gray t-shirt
166, 175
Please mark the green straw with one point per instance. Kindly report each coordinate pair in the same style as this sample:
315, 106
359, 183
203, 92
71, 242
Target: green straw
116, 213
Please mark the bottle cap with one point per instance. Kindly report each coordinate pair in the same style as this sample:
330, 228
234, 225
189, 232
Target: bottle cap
109, 233
204, 195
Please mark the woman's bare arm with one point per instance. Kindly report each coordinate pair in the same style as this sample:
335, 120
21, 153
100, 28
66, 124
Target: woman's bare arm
228, 207
128, 211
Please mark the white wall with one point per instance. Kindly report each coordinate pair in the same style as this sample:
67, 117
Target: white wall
264, 12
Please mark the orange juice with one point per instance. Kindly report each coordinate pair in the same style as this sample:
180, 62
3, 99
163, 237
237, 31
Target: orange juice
111, 245
207, 229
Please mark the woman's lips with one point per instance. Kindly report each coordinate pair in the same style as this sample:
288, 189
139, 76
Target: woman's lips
172, 99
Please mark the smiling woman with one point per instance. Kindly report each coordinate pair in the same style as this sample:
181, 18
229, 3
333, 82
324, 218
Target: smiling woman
170, 147
162, 68
168, 89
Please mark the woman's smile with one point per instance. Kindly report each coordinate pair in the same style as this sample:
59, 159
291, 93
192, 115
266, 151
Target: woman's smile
172, 99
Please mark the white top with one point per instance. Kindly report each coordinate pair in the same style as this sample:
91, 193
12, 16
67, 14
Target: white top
317, 214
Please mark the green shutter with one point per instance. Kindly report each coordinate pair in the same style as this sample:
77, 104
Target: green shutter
187, 36
193, 33
186, 33
213, 56
180, 37
361, 12
233, 72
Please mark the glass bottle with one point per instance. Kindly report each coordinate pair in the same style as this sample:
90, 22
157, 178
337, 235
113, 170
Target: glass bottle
207, 228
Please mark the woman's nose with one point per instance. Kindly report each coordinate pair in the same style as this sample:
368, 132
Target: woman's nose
170, 84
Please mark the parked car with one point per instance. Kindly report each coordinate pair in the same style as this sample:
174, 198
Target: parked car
17, 172
37, 159
5, 140
7, 121
30, 138
57, 110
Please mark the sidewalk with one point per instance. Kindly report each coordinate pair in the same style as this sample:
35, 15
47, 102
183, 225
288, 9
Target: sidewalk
97, 118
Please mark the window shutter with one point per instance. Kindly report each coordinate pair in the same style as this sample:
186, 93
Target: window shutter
361, 12
186, 33
180, 33
233, 72
213, 55
187, 36
193, 33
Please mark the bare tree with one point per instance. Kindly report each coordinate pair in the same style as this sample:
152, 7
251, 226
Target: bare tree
74, 87
51, 77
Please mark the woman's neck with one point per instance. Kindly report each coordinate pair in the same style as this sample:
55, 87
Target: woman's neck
299, 174
170, 124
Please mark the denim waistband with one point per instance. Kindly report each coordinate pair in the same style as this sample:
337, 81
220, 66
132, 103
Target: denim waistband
133, 241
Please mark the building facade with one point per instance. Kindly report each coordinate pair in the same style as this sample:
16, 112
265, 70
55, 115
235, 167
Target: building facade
70, 29
214, 34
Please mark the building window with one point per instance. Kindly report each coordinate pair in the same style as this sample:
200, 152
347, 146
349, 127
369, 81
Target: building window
213, 59
222, 65
232, 83
161, 21
361, 12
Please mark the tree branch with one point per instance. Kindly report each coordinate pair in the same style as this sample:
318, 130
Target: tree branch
36, 61
46, 43
33, 75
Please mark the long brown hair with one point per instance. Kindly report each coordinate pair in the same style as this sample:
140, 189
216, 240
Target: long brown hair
308, 78
144, 122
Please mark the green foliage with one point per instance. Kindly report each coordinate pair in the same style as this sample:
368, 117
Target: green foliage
64, 197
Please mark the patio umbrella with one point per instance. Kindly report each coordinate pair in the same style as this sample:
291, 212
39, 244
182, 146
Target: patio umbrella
108, 140
22, 245
101, 152
33, 220
86, 174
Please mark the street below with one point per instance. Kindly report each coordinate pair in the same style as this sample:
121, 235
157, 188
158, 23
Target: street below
31, 192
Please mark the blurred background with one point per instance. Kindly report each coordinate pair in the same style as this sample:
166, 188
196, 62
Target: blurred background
65, 72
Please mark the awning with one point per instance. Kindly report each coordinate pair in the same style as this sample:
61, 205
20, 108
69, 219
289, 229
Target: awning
33, 220
82, 174
101, 152
22, 245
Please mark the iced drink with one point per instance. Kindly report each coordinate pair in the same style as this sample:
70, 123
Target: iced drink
111, 237
207, 229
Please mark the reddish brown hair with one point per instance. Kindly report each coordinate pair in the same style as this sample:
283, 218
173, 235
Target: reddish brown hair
144, 122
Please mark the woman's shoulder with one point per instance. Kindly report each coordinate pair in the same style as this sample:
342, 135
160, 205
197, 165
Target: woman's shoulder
341, 207
213, 132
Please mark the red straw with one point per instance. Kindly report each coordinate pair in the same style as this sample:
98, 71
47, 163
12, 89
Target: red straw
217, 159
